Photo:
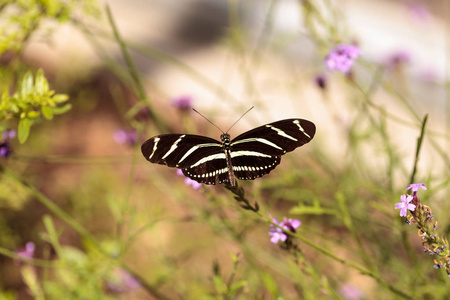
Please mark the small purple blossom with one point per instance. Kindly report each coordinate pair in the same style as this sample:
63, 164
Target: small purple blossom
126, 137
415, 187
350, 292
404, 205
5, 145
341, 58
278, 234
419, 12
27, 252
321, 81
195, 185
397, 59
122, 281
9, 134
182, 103
5, 149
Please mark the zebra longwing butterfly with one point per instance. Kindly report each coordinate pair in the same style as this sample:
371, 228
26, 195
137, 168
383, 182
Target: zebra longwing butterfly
248, 156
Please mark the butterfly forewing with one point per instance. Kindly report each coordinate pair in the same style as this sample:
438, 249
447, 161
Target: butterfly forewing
275, 138
180, 150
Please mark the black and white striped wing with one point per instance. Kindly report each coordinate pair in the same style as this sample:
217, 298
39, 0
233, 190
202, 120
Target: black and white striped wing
200, 158
258, 151
180, 150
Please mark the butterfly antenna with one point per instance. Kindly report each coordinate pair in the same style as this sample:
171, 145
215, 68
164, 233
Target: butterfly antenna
207, 120
240, 118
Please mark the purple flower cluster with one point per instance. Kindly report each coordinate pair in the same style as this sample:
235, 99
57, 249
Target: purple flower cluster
183, 103
5, 145
422, 216
122, 281
342, 57
287, 224
195, 185
125, 137
27, 252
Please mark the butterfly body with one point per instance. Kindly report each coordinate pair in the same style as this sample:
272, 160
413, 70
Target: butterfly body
248, 156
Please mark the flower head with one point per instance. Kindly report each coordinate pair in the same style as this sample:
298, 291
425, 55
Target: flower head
5, 149
195, 185
404, 205
9, 134
122, 281
415, 187
350, 292
397, 59
27, 252
5, 146
182, 103
341, 57
321, 81
287, 224
126, 137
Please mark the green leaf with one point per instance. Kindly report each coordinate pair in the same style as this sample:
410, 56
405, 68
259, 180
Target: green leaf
33, 114
23, 130
47, 112
27, 84
316, 209
60, 98
40, 83
61, 109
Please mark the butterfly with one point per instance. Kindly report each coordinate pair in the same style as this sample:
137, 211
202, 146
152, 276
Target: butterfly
248, 156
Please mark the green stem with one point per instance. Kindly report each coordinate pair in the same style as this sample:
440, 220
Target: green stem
419, 146
134, 73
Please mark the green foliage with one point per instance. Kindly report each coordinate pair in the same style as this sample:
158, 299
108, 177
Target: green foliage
30, 103
21, 18
112, 220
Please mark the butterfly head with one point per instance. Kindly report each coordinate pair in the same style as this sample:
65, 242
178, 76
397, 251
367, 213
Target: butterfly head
225, 138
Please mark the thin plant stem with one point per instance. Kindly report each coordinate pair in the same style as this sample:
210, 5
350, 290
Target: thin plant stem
134, 73
419, 146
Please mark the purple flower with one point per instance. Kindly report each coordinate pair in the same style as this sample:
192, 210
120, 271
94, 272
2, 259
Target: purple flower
126, 137
122, 281
195, 185
341, 57
5, 149
415, 187
419, 12
350, 292
321, 81
27, 252
182, 103
5, 146
404, 205
9, 134
278, 234
397, 59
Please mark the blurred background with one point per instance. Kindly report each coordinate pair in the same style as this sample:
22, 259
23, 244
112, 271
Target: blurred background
145, 233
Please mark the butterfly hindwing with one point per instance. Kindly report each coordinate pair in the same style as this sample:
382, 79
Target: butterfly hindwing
248, 168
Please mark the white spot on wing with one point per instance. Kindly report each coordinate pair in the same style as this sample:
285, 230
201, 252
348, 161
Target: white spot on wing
282, 133
154, 147
297, 122
209, 158
173, 147
248, 153
261, 140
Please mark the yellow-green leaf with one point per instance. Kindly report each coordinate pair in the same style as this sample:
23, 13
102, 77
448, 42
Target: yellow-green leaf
23, 131
47, 112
